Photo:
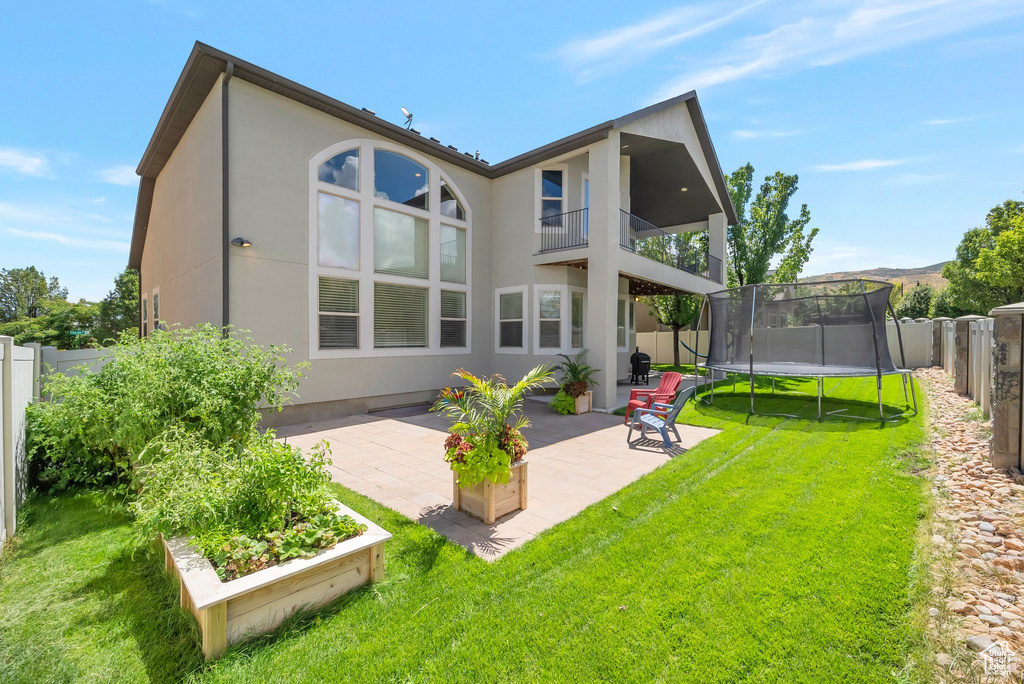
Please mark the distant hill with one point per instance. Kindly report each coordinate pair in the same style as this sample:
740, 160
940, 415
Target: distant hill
910, 277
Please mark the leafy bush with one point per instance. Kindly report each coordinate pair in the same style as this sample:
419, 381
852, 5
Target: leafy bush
563, 403
577, 374
247, 504
194, 380
482, 444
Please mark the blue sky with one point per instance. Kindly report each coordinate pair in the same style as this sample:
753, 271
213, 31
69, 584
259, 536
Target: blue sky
902, 119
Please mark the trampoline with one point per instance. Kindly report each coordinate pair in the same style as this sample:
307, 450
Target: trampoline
828, 329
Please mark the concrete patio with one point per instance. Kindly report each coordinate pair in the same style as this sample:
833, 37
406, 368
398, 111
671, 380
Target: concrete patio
396, 457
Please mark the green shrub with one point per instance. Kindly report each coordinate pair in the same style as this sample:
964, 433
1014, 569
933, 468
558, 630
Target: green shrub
246, 503
577, 375
194, 380
563, 403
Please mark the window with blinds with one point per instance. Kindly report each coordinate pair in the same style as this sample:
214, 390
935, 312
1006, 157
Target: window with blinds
576, 320
400, 244
338, 310
510, 320
453, 318
399, 316
550, 319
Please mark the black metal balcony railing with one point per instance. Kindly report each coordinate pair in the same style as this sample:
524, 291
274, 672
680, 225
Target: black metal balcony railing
563, 231
646, 239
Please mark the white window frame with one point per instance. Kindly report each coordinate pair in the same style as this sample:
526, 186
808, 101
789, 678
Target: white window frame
441, 317
522, 290
145, 327
538, 191
565, 311
365, 273
154, 318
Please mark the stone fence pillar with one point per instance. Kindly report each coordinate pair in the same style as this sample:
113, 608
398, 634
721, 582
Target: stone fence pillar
962, 354
1005, 448
937, 349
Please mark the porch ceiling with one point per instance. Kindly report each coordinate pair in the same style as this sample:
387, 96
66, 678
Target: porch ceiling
658, 171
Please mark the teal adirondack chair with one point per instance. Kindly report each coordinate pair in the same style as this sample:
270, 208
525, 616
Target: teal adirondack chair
660, 417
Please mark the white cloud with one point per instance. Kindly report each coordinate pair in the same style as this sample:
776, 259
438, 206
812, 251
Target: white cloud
614, 50
120, 175
24, 163
920, 178
944, 122
747, 134
69, 240
861, 165
835, 32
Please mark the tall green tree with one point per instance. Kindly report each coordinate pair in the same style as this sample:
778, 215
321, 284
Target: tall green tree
988, 271
675, 311
57, 319
765, 232
23, 290
119, 310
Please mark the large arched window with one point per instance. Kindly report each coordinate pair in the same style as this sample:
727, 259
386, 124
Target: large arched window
390, 245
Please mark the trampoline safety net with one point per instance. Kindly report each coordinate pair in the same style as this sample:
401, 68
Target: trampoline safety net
832, 328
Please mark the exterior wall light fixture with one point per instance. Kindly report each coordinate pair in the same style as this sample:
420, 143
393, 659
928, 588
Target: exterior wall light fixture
241, 242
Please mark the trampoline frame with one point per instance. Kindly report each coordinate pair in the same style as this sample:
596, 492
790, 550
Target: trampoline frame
905, 373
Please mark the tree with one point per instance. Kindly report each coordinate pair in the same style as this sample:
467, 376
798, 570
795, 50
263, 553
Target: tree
942, 306
22, 291
916, 303
119, 311
987, 271
53, 327
764, 231
675, 311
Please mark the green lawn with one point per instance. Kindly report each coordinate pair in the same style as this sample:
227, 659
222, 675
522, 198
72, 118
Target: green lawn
780, 550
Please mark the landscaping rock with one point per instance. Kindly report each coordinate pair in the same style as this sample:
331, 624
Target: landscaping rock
978, 643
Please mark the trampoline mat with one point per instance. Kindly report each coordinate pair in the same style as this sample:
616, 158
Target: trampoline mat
801, 370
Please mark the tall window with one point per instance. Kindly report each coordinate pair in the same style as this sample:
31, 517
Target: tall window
389, 254
453, 318
145, 316
576, 320
620, 324
338, 309
400, 315
338, 231
453, 254
399, 179
552, 196
400, 244
550, 319
510, 320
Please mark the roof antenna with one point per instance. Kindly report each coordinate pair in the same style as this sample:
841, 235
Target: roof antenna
408, 118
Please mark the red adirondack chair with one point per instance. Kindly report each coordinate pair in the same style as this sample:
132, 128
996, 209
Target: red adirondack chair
664, 393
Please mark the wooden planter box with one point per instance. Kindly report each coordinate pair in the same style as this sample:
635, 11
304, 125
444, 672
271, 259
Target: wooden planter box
488, 501
229, 612
585, 403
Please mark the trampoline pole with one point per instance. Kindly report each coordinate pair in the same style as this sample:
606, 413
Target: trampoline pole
881, 413
913, 394
905, 397
819, 397
753, 309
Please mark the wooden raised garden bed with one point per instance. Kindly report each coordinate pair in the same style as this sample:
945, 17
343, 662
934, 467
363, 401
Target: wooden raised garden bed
229, 612
488, 501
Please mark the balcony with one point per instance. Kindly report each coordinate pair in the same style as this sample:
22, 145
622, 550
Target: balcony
646, 239
563, 231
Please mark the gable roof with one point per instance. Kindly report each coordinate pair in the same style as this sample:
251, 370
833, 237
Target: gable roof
205, 65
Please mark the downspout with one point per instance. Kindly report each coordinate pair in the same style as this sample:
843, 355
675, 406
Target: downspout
225, 215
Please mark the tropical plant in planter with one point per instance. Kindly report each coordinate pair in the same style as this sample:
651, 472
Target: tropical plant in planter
485, 448
577, 379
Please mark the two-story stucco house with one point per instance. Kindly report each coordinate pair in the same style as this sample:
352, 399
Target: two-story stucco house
389, 259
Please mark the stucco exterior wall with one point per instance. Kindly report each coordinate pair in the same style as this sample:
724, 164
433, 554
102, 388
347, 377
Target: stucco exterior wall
272, 140
182, 256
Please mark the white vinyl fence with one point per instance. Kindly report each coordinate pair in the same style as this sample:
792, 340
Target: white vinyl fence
21, 371
948, 345
917, 343
979, 383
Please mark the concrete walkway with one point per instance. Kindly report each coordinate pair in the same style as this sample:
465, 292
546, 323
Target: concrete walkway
396, 458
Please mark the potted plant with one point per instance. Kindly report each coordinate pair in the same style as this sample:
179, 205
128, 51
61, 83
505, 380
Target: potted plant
484, 449
577, 379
